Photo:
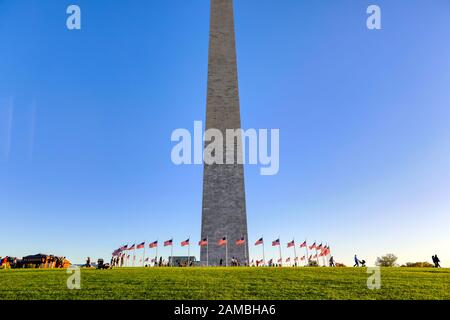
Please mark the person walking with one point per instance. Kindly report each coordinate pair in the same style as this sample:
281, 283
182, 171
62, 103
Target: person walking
332, 262
436, 261
356, 261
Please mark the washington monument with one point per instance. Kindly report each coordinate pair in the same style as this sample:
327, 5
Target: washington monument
224, 212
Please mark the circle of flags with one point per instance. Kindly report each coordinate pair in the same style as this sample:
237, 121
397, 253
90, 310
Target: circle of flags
312, 252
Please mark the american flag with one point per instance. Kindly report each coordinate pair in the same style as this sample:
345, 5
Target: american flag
154, 244
313, 246
291, 244
168, 243
203, 242
132, 247
288, 259
141, 245
240, 242
276, 243
222, 241
123, 248
319, 247
280, 260
303, 245
259, 241
185, 243
303, 258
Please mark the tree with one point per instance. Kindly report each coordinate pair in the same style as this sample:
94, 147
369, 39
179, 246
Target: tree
388, 260
418, 265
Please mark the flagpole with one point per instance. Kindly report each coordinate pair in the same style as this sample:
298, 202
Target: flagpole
143, 256
171, 254
134, 254
323, 257
307, 253
279, 247
264, 254
317, 257
207, 251
328, 254
295, 254
189, 248
157, 244
226, 251
245, 252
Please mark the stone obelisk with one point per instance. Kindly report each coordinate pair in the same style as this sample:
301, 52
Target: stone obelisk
224, 211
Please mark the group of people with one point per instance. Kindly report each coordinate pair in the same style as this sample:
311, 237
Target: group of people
35, 261
5, 263
234, 262
121, 261
436, 261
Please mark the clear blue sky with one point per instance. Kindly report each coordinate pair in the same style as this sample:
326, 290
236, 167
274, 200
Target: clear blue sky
86, 118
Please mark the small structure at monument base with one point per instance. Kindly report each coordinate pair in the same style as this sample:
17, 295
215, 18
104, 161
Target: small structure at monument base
183, 261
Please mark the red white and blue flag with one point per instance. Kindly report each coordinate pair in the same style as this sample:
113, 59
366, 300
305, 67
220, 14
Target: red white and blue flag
185, 243
288, 259
303, 245
259, 242
313, 246
168, 243
222, 241
291, 244
240, 242
132, 247
276, 243
203, 242
141, 245
154, 244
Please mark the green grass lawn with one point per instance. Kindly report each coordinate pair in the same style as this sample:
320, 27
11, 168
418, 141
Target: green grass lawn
226, 283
